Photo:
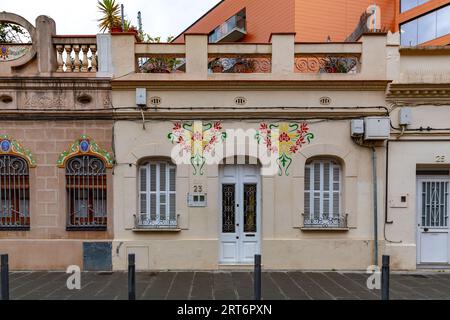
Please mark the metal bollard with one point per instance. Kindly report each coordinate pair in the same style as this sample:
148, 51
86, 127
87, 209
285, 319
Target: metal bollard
257, 277
385, 278
4, 278
131, 277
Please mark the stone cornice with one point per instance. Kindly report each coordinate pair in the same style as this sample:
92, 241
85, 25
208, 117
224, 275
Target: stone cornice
263, 85
419, 93
312, 113
54, 83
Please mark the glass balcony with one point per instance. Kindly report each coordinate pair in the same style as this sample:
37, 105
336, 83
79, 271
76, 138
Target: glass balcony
231, 30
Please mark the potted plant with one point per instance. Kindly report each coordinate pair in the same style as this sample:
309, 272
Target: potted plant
110, 19
216, 66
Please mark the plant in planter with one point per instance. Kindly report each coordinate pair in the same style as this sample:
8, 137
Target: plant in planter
216, 66
243, 65
110, 15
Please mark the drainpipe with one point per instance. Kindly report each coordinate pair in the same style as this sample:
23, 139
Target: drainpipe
375, 204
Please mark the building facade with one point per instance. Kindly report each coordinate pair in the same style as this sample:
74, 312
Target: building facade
55, 157
199, 154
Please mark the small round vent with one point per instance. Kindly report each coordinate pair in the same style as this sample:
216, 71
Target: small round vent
156, 101
84, 98
240, 101
325, 101
6, 98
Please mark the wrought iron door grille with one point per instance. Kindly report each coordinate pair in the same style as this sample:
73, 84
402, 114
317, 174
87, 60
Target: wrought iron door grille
86, 193
435, 204
14, 193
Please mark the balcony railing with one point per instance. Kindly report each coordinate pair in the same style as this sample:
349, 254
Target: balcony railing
240, 64
145, 222
327, 64
77, 54
279, 60
325, 222
161, 64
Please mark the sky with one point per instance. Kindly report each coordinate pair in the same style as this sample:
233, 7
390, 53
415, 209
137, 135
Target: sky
159, 17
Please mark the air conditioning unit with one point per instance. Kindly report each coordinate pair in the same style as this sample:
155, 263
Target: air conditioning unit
377, 128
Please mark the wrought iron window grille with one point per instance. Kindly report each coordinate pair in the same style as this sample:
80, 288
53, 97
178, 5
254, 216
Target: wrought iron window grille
325, 222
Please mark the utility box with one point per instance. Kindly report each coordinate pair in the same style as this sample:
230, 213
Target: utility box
377, 128
404, 116
141, 97
357, 127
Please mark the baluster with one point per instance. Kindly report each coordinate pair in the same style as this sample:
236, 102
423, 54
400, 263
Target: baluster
84, 66
68, 49
77, 63
59, 58
94, 58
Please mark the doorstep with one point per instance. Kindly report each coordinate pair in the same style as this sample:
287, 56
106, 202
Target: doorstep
236, 267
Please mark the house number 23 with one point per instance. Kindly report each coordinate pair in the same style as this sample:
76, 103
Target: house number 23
198, 189
440, 159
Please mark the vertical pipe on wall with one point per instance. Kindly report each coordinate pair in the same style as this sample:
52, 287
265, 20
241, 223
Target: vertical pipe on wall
375, 205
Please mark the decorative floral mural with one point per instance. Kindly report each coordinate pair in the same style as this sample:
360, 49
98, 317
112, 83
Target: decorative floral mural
11, 146
197, 139
284, 139
12, 52
82, 146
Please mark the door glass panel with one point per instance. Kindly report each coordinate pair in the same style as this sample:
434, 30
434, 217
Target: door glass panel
250, 208
435, 204
228, 208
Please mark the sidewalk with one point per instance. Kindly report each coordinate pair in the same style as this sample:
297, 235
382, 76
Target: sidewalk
226, 285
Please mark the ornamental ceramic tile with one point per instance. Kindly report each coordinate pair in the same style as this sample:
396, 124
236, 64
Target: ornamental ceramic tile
284, 139
82, 146
11, 146
197, 139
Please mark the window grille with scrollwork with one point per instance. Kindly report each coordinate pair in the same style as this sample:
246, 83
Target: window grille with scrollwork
86, 187
14, 193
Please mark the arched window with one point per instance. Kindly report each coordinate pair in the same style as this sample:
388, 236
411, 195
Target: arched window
157, 195
86, 192
323, 193
14, 192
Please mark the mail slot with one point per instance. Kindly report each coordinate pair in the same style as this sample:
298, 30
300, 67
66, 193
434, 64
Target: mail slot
250, 235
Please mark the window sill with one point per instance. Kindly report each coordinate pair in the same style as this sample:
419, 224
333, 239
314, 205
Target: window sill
86, 228
324, 229
156, 229
14, 228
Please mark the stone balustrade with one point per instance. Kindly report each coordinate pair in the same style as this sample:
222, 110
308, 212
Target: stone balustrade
76, 54
282, 58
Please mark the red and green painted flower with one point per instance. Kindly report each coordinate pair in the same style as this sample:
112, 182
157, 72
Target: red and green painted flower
286, 139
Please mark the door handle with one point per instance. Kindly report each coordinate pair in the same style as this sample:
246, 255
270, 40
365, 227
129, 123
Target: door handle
237, 237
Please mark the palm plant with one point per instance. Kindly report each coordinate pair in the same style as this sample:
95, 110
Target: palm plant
111, 14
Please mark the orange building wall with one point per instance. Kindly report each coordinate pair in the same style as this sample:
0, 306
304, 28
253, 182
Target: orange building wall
315, 20
263, 18
312, 20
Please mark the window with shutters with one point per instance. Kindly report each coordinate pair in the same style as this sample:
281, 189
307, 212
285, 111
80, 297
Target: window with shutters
157, 195
323, 192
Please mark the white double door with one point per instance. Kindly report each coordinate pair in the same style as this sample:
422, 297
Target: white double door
240, 218
433, 241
